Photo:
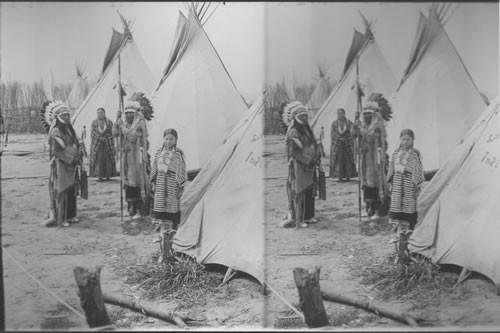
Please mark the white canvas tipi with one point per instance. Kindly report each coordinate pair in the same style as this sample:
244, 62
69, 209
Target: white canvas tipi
222, 209
436, 98
48, 85
80, 89
374, 76
124, 60
320, 94
196, 96
458, 209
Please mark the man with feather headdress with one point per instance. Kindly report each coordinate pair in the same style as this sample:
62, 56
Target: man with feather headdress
371, 133
134, 146
303, 157
65, 156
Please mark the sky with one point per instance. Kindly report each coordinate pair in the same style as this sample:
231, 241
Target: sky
258, 42
303, 35
38, 39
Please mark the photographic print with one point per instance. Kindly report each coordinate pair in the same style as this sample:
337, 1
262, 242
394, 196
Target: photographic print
131, 165
379, 159
249, 165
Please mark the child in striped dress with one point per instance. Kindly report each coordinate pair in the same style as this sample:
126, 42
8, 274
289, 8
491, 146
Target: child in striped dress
405, 177
168, 177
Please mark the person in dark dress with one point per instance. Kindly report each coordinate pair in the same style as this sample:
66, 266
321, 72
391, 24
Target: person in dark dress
102, 148
342, 163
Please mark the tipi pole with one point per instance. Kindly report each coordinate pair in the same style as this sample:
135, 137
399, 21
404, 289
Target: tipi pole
464, 274
229, 274
120, 104
358, 104
359, 177
2, 289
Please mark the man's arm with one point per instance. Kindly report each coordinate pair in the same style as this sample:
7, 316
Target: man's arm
59, 147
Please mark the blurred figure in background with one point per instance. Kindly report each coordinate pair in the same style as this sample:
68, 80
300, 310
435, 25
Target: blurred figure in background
102, 147
342, 163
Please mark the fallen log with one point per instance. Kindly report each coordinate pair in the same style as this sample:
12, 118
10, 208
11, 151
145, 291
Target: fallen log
147, 310
379, 309
311, 302
91, 298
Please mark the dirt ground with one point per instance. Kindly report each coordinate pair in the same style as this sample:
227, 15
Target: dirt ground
100, 238
338, 243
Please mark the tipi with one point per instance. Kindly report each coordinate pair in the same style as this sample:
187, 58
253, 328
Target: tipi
323, 89
80, 89
195, 95
222, 209
436, 96
458, 208
374, 76
124, 61
48, 85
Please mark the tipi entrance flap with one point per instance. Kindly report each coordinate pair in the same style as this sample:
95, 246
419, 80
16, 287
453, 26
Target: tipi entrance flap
189, 235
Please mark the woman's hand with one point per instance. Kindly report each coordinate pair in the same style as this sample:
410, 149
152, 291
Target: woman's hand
153, 186
180, 192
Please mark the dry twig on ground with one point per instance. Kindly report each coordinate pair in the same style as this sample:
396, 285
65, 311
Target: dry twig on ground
183, 280
412, 276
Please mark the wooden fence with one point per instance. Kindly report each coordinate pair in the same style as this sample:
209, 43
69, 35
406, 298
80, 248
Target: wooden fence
272, 122
27, 120
23, 120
